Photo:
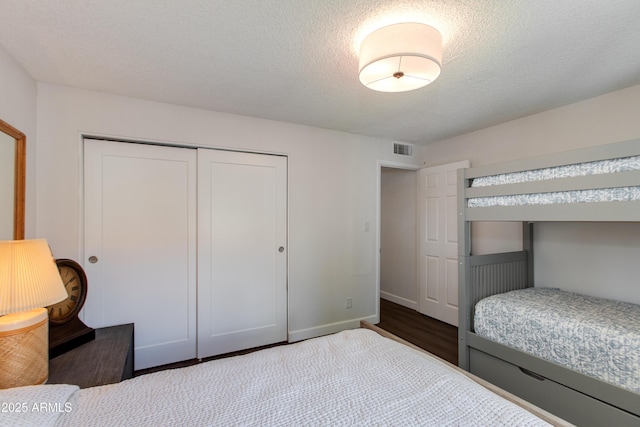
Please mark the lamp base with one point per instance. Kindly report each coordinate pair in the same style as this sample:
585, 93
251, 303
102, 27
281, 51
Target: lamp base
24, 348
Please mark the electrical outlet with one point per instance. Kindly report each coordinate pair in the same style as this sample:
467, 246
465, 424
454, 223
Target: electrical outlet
349, 303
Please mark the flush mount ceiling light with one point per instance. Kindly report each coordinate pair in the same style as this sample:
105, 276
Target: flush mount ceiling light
400, 57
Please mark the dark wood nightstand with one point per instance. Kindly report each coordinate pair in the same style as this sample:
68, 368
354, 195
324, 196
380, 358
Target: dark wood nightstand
107, 359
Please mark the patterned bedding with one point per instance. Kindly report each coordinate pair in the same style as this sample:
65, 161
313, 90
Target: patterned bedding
619, 194
594, 336
599, 167
351, 378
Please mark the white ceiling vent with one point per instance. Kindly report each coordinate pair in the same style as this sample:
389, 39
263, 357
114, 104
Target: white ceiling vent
402, 149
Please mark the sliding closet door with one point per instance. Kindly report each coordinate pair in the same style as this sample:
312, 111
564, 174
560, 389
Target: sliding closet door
140, 245
242, 253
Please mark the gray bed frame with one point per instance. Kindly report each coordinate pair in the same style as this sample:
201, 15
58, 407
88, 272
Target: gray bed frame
578, 398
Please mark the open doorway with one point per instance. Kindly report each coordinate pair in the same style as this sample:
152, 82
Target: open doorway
398, 230
398, 267
418, 236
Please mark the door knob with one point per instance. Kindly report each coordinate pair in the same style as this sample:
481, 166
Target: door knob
93, 259
281, 249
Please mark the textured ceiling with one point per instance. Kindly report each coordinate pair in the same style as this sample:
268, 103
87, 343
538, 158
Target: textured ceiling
296, 60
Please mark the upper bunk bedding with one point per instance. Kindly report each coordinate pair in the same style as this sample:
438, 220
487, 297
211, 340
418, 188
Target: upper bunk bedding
600, 167
354, 377
599, 183
594, 336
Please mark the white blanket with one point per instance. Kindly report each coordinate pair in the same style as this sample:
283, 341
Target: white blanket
351, 378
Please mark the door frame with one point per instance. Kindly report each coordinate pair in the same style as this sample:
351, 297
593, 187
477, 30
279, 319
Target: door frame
394, 165
179, 144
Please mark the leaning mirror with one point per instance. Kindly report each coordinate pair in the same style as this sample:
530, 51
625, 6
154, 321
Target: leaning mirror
12, 182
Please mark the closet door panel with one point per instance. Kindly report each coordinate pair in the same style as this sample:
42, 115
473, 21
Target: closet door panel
241, 251
140, 224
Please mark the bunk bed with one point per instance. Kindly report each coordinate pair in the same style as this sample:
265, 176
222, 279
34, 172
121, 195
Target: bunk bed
597, 184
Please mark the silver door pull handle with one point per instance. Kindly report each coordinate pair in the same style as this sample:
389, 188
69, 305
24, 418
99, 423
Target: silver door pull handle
93, 259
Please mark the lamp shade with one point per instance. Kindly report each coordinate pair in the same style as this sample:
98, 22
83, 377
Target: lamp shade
400, 57
29, 277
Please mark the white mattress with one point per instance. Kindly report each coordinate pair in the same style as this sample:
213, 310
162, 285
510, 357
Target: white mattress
610, 166
350, 378
594, 336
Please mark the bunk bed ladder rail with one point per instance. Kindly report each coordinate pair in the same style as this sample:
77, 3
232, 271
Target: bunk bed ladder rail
497, 273
480, 276
486, 275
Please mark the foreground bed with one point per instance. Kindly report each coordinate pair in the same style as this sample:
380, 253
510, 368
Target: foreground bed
354, 377
598, 184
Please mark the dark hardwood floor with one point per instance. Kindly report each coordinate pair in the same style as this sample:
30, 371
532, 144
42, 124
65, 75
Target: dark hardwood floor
425, 332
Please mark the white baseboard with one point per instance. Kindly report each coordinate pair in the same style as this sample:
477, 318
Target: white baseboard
331, 328
413, 305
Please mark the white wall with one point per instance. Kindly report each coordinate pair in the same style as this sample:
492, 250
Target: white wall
596, 259
18, 108
332, 191
398, 228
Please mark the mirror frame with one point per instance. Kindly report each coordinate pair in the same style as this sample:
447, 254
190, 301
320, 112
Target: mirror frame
19, 180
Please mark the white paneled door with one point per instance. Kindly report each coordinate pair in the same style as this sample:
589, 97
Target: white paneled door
438, 240
242, 253
188, 244
140, 233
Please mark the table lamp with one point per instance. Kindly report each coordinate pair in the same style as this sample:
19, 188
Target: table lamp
29, 281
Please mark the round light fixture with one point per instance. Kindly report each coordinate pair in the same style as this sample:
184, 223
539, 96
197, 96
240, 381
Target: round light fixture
400, 57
